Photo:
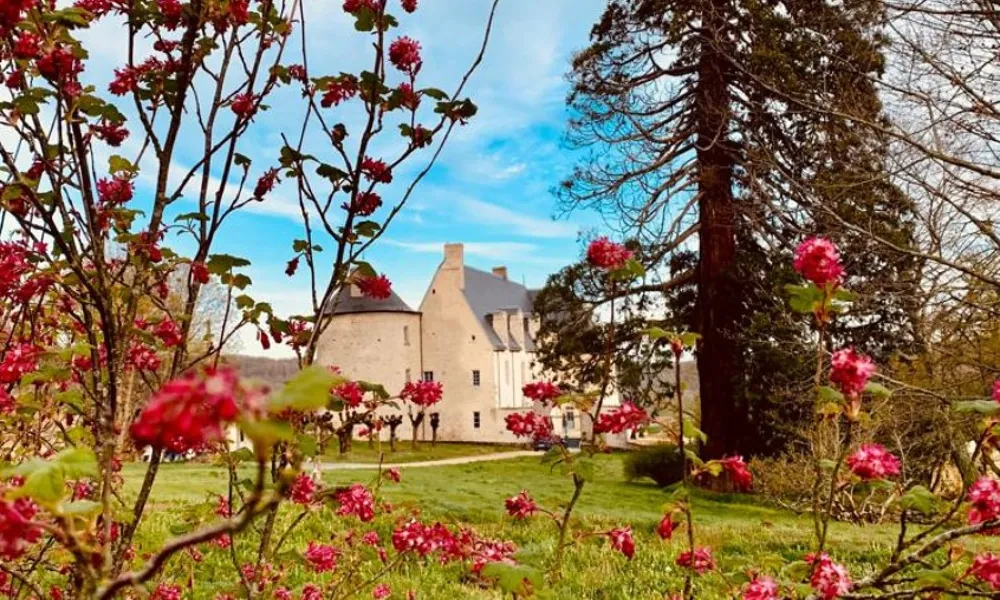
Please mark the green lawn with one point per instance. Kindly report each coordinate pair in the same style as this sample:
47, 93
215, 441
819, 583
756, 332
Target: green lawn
743, 533
362, 453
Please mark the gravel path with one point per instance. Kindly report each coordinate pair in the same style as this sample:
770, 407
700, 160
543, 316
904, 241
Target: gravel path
460, 460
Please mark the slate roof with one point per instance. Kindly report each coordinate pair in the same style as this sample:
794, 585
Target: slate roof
344, 303
488, 294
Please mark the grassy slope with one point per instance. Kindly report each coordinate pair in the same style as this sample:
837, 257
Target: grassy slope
742, 533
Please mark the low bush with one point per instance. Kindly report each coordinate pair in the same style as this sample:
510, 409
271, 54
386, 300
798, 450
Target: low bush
661, 463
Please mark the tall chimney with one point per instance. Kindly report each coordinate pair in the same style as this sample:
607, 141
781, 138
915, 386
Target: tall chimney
500, 272
454, 263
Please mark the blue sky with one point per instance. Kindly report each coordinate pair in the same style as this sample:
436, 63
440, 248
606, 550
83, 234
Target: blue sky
491, 188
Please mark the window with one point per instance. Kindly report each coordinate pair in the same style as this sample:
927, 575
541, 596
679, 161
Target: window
475, 378
408, 376
428, 375
568, 420
475, 420
406, 335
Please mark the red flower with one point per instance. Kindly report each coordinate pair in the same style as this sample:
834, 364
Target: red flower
873, 461
621, 540
541, 391
199, 273
339, 90
700, 561
984, 495
115, 192
996, 390
376, 170
829, 579
381, 591
59, 65
239, 12
111, 133
422, 393
353, 6
356, 500
409, 5
17, 531
393, 475
605, 254
126, 80
265, 184
7, 404
166, 591
761, 588
224, 541
189, 411
366, 203
409, 99
986, 568
12, 12
378, 288
303, 490
818, 260
169, 332
28, 45
311, 591
404, 54
223, 509
667, 526
322, 557
739, 474
529, 424
850, 371
142, 357
243, 105
521, 506
351, 393
20, 360
171, 11
626, 416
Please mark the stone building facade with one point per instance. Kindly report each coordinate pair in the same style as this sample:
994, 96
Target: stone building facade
474, 332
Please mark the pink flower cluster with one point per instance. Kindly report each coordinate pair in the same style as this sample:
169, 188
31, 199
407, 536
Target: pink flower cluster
422, 393
379, 288
700, 561
829, 579
873, 461
303, 490
17, 528
20, 360
621, 540
761, 588
381, 591
358, 501
365, 203
166, 591
996, 390
322, 557
529, 424
666, 527
339, 90
850, 371
541, 391
351, 393
625, 417
605, 254
986, 568
521, 506
739, 474
376, 170
189, 411
984, 496
404, 54
818, 260
14, 265
414, 536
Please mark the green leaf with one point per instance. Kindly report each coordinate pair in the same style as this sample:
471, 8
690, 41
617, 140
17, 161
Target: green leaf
920, 499
244, 302
434, 93
120, 164
877, 389
307, 444
242, 160
804, 298
796, 571
519, 580
267, 433
331, 172
299, 246
82, 508
655, 333
582, 467
830, 394
367, 228
985, 407
77, 462
307, 391
219, 264
934, 578
691, 431
689, 339
191, 216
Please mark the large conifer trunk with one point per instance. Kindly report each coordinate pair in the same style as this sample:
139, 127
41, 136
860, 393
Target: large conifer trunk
717, 310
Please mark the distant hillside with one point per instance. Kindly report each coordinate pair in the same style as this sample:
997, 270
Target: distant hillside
272, 371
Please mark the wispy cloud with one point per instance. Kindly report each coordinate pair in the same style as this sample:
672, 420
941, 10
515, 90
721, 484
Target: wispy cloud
510, 221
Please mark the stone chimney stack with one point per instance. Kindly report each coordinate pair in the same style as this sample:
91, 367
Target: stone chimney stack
454, 263
500, 272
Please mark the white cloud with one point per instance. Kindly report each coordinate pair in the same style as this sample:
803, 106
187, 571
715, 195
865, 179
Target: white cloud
512, 222
494, 250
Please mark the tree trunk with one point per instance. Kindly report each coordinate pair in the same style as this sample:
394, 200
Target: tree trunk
721, 419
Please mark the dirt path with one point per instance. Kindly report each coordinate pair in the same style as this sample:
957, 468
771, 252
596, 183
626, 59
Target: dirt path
459, 460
